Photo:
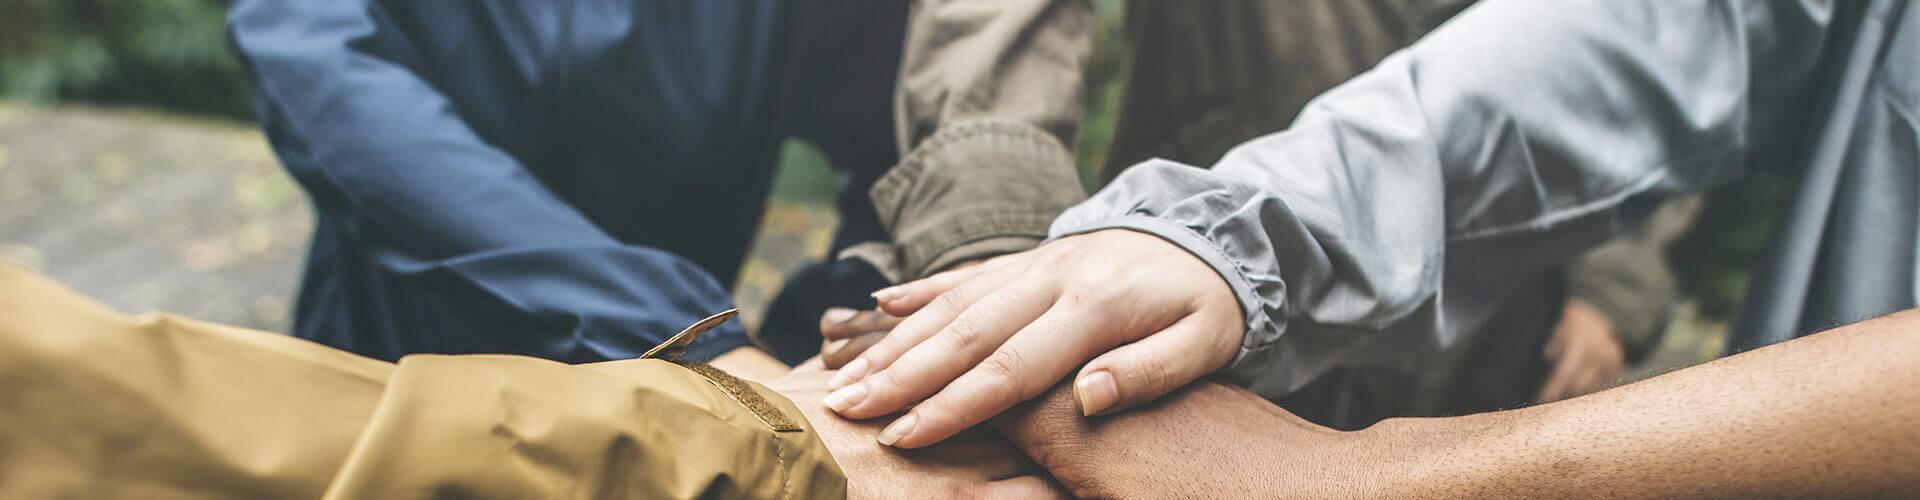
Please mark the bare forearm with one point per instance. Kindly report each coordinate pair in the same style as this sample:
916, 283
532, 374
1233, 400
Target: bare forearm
1829, 415
1824, 416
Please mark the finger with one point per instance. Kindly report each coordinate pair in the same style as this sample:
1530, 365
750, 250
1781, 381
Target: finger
837, 353
916, 328
1558, 382
1555, 342
1033, 360
854, 323
906, 298
1594, 380
1153, 366
811, 364
1023, 487
956, 348
835, 319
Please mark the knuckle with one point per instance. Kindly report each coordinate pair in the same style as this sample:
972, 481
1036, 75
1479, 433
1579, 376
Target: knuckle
1004, 367
1083, 297
1152, 372
948, 302
961, 333
1061, 255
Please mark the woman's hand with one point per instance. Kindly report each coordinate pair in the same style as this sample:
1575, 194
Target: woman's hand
849, 332
976, 464
979, 340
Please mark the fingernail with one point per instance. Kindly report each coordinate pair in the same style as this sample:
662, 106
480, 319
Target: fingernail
898, 429
853, 372
846, 397
837, 315
888, 294
1097, 393
834, 346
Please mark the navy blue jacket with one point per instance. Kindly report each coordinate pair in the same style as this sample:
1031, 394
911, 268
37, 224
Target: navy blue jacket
571, 180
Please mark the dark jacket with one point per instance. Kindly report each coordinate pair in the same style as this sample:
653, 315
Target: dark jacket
565, 179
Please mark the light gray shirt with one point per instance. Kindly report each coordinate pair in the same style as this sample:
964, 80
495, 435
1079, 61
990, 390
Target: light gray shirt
1393, 212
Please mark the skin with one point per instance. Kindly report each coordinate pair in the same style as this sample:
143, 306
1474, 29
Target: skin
1135, 315
1825, 416
1583, 352
975, 464
750, 363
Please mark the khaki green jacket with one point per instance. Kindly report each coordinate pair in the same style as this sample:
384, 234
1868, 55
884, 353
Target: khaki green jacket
987, 106
99, 405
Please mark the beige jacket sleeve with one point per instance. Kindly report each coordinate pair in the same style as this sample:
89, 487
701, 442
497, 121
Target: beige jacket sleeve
99, 405
988, 101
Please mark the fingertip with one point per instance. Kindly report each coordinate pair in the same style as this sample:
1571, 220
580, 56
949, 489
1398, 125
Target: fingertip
1097, 392
854, 371
833, 346
837, 315
894, 432
890, 294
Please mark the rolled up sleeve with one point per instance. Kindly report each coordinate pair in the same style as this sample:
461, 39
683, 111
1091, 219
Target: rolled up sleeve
988, 101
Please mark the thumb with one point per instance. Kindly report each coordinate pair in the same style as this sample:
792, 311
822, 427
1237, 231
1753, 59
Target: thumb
1151, 367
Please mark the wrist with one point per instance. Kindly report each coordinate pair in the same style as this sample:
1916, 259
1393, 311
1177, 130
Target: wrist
1450, 457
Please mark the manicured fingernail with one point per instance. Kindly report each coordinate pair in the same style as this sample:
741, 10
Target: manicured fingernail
1097, 393
888, 294
838, 315
846, 397
898, 429
834, 346
853, 372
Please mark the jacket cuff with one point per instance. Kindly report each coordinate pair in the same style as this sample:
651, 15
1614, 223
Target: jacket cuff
971, 190
1261, 331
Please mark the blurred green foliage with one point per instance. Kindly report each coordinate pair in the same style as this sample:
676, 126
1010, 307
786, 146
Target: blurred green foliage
169, 54
1106, 75
1712, 260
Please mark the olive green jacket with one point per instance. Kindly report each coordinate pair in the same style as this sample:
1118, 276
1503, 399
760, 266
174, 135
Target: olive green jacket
988, 102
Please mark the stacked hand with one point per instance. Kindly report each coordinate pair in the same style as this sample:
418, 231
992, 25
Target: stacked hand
975, 464
975, 341
1585, 354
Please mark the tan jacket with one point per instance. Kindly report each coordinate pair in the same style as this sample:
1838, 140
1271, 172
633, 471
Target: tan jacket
100, 405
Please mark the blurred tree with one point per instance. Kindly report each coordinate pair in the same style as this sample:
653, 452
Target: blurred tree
1713, 259
170, 54
1106, 72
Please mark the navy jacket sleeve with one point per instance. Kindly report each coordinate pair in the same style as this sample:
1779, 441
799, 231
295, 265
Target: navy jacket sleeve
346, 107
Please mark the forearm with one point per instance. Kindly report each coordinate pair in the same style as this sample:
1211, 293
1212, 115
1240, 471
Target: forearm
1823, 416
1500, 144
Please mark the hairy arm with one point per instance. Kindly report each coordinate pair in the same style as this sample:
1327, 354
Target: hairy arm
1823, 416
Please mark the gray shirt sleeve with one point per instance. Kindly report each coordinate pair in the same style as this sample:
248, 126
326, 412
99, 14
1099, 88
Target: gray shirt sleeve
1510, 138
